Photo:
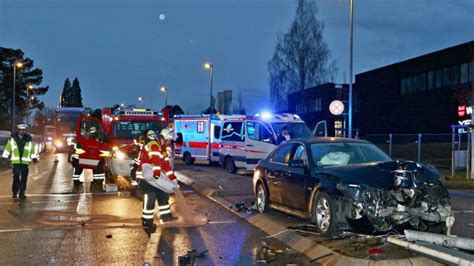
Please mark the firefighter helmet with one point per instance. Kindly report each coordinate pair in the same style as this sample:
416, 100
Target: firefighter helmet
151, 134
167, 133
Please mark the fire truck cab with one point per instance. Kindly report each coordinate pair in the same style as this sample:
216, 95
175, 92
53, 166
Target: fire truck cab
191, 135
106, 145
244, 142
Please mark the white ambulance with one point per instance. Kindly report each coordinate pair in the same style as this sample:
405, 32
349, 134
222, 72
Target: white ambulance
191, 135
243, 142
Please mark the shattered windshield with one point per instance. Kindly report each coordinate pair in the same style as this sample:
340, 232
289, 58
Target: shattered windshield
339, 154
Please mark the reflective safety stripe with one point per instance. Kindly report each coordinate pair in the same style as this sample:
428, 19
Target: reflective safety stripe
164, 207
144, 216
5, 154
167, 158
169, 173
155, 153
145, 201
165, 212
148, 211
156, 168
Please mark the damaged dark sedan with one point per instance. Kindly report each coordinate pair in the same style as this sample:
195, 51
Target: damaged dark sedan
340, 184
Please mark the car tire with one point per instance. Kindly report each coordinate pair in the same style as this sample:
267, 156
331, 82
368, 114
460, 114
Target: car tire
229, 165
325, 214
188, 159
261, 201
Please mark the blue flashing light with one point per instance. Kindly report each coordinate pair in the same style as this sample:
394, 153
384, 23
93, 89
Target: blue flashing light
266, 115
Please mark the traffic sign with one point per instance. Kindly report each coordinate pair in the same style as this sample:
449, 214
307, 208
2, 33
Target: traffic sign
336, 107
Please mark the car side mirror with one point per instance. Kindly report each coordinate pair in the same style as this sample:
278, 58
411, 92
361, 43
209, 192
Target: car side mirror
296, 163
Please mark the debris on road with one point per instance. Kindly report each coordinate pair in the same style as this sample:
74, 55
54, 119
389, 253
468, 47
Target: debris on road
190, 257
109, 236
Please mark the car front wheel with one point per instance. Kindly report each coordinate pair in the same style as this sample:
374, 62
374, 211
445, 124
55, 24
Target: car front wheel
325, 214
262, 198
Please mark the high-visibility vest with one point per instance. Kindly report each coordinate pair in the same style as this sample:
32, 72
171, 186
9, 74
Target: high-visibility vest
11, 149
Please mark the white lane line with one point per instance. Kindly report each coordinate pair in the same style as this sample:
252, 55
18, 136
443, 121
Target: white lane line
66, 195
221, 222
468, 211
152, 248
16, 230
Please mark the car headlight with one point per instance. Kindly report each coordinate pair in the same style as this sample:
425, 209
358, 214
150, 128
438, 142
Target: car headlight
58, 143
352, 190
120, 155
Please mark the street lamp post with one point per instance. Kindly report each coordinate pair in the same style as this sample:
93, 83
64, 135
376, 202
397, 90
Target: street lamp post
211, 77
28, 106
141, 100
165, 91
350, 67
16, 65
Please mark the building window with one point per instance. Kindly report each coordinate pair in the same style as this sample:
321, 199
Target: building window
439, 78
403, 86
454, 76
416, 83
464, 72
315, 105
423, 82
471, 71
409, 85
430, 80
445, 77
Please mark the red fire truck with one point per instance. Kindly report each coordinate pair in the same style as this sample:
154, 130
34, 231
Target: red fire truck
106, 145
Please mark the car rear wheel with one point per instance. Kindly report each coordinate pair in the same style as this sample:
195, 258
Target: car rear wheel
188, 159
325, 214
262, 198
229, 165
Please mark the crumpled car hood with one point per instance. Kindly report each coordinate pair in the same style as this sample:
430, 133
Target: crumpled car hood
377, 175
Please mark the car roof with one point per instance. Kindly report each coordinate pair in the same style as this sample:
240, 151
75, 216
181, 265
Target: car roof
314, 140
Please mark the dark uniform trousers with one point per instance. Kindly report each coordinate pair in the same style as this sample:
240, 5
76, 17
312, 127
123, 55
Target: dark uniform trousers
152, 194
20, 177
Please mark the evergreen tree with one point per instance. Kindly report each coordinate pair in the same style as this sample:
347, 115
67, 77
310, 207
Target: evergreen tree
76, 93
66, 94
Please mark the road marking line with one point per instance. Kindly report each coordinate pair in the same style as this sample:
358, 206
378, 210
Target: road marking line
16, 230
468, 211
5, 172
152, 247
221, 222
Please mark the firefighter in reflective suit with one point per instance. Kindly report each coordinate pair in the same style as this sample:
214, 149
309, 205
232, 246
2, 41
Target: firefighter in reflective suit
152, 165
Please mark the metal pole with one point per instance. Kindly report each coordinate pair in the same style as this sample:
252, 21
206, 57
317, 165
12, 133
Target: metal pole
419, 147
452, 151
166, 98
210, 114
390, 144
350, 68
14, 96
468, 168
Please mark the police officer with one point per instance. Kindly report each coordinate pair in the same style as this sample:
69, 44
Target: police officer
22, 151
152, 163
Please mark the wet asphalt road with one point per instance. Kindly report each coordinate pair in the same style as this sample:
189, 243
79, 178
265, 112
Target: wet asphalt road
60, 224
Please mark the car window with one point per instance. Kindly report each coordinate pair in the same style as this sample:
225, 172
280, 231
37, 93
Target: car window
300, 154
282, 153
233, 131
337, 154
257, 131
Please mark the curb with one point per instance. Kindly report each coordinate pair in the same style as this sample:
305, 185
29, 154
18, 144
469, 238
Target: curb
317, 253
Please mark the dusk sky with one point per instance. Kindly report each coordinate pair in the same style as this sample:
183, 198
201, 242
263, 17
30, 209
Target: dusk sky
120, 50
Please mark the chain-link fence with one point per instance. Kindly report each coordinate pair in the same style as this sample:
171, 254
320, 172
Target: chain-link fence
436, 149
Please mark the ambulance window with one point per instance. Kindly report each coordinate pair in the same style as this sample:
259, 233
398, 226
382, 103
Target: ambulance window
259, 132
233, 131
217, 132
200, 126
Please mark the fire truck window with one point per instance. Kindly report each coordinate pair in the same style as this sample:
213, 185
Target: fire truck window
233, 131
200, 126
217, 132
134, 129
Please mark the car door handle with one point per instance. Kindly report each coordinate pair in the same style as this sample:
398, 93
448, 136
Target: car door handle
249, 145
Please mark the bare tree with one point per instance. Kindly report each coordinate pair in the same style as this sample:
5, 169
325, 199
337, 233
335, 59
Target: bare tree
301, 57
